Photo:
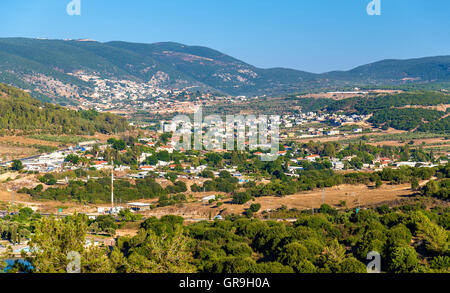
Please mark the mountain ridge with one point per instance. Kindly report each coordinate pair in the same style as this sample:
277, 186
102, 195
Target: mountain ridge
40, 64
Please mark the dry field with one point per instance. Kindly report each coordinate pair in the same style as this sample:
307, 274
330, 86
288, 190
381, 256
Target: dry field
24, 140
442, 107
354, 195
8, 153
417, 142
195, 209
347, 95
18, 147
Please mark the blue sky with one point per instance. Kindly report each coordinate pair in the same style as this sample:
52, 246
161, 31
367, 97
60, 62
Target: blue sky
310, 35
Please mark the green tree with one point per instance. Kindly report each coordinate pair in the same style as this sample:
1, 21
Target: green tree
403, 259
165, 137
255, 207
378, 183
436, 238
353, 266
414, 183
241, 198
163, 156
74, 159
119, 145
17, 165
160, 254
54, 239
292, 254
172, 177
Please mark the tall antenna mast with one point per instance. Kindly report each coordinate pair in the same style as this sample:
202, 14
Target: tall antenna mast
12, 197
112, 186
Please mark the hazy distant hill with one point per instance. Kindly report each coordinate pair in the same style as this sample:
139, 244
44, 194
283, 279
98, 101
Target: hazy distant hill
44, 66
430, 69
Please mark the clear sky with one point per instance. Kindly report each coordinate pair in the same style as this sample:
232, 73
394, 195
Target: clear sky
310, 35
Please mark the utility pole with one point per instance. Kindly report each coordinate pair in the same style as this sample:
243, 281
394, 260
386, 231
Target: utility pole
204, 195
12, 198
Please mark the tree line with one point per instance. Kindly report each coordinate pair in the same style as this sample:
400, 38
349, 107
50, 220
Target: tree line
409, 239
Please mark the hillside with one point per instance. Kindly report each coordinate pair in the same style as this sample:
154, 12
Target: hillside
31, 63
51, 68
405, 111
20, 113
420, 70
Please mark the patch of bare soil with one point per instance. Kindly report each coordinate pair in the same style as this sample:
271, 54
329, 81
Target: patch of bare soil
195, 209
129, 230
17, 181
26, 141
353, 195
442, 107
9, 153
417, 142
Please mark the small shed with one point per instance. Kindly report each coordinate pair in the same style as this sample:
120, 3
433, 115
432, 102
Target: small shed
139, 206
206, 199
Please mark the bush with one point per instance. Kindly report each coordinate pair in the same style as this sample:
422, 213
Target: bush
255, 207
241, 198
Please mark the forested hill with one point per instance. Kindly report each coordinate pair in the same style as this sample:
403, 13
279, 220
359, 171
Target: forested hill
20, 113
50, 67
421, 111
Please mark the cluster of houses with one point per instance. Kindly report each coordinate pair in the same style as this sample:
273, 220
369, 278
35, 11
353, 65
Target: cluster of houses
129, 96
377, 165
216, 132
289, 121
52, 162
55, 162
317, 132
191, 172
